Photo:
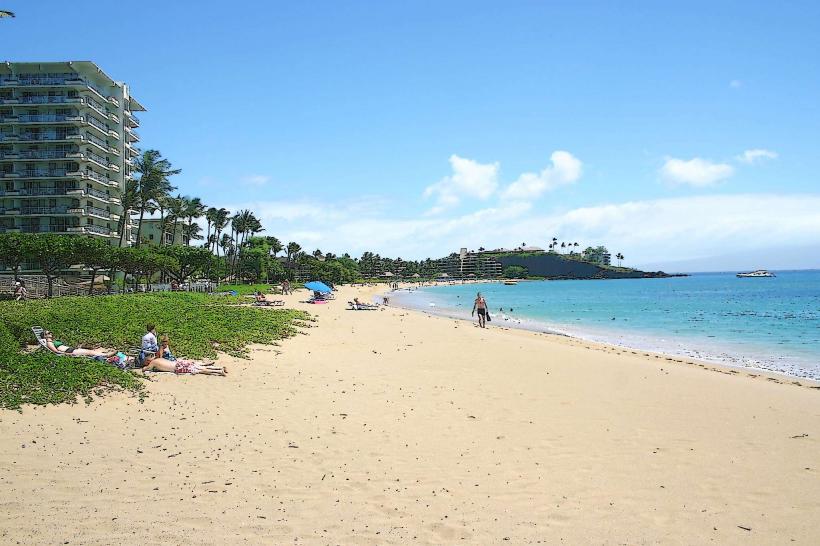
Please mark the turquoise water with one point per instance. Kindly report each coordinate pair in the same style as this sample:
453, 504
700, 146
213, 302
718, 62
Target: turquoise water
766, 323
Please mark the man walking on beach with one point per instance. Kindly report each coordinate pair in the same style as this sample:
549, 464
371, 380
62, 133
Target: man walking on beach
480, 305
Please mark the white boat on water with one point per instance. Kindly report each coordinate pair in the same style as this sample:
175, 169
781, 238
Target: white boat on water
758, 273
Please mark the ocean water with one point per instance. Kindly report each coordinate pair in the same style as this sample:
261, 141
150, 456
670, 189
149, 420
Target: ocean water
768, 323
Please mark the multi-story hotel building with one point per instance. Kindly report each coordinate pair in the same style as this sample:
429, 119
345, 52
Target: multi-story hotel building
67, 147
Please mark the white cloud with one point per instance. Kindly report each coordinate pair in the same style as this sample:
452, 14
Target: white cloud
650, 231
469, 179
565, 169
695, 172
756, 155
256, 180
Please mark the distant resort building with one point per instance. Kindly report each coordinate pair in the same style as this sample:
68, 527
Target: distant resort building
151, 233
468, 264
66, 149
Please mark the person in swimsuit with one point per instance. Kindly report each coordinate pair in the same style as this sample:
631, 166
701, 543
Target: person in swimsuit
180, 366
165, 349
480, 305
58, 347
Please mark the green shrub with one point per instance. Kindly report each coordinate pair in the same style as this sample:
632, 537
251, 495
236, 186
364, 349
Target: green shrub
198, 324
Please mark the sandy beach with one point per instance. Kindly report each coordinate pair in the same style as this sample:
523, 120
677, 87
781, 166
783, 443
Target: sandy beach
395, 427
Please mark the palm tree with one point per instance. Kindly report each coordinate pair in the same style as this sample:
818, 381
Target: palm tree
153, 182
176, 212
274, 244
193, 209
291, 250
210, 217
220, 222
191, 231
563, 245
226, 243
619, 257
129, 200
163, 203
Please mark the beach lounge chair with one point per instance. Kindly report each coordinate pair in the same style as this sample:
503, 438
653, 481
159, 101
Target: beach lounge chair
39, 333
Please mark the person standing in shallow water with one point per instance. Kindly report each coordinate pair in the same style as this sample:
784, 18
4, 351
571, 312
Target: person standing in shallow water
480, 305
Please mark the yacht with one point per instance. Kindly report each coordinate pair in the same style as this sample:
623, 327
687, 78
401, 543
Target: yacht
510, 283
758, 273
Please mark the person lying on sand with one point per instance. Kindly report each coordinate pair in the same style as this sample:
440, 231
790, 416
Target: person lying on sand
58, 347
180, 366
356, 304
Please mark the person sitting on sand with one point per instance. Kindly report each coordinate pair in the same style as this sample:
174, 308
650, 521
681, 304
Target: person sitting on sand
58, 347
181, 366
165, 349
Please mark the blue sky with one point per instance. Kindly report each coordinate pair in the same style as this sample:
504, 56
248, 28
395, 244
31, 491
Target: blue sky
667, 132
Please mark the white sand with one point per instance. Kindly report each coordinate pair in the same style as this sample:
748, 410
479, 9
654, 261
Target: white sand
396, 427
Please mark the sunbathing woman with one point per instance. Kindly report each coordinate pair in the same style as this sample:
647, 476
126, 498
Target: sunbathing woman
58, 347
180, 366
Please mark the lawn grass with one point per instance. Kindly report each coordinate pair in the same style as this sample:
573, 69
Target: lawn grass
199, 325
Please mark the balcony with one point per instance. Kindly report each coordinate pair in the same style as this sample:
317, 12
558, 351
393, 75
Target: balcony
98, 159
37, 192
132, 135
114, 101
90, 211
96, 106
90, 229
132, 119
43, 173
100, 143
47, 118
50, 99
93, 122
45, 211
44, 154
44, 80
89, 174
38, 137
97, 194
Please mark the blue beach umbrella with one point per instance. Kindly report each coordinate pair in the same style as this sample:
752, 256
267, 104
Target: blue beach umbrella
318, 286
